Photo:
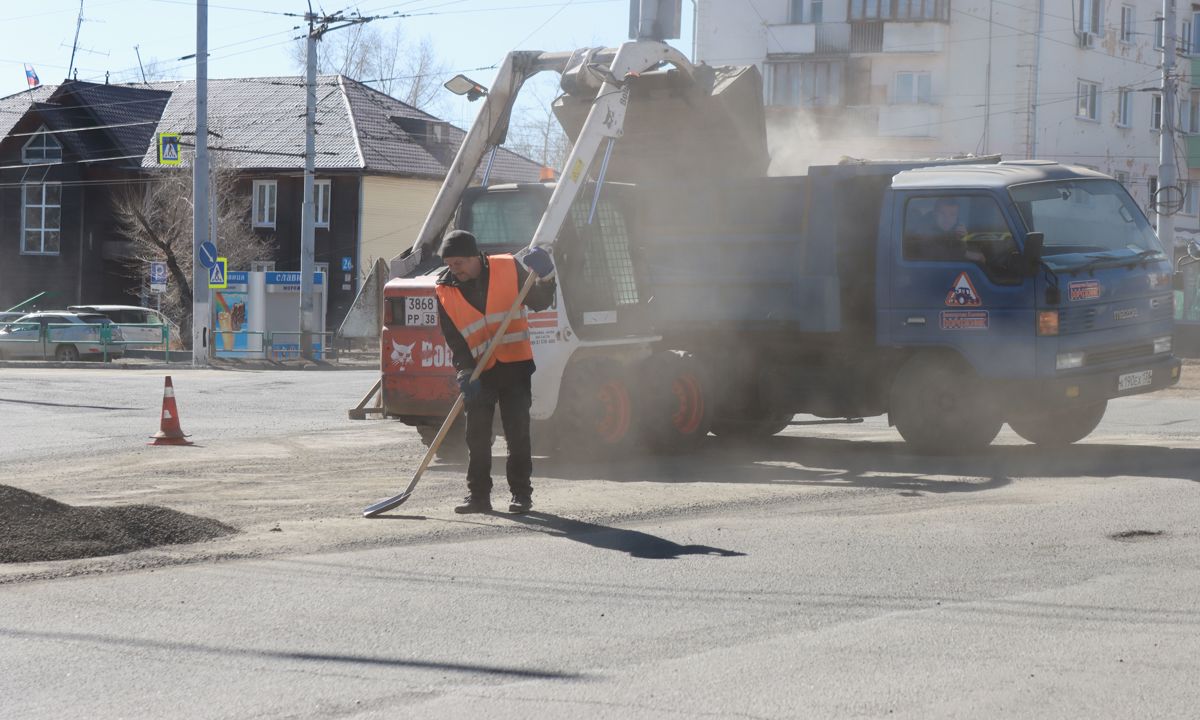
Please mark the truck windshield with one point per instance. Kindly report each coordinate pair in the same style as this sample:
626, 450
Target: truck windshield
1085, 220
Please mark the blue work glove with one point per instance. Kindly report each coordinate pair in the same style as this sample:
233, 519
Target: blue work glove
540, 262
470, 388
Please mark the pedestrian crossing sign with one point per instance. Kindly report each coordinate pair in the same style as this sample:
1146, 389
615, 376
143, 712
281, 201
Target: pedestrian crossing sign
168, 148
218, 276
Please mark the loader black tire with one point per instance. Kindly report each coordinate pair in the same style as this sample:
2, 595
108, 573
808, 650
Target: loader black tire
674, 397
1059, 427
595, 416
941, 407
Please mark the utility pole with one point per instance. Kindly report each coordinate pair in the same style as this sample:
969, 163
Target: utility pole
308, 220
201, 297
318, 25
1167, 179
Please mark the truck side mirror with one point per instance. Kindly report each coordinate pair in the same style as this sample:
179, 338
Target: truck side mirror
1034, 242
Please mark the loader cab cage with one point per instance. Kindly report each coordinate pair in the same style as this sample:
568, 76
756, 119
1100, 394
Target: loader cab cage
594, 260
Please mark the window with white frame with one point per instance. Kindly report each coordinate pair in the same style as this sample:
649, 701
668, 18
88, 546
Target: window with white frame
264, 200
41, 148
912, 88
321, 196
1087, 98
41, 218
899, 10
1156, 112
1194, 41
808, 84
797, 11
1152, 185
1185, 38
1089, 16
1158, 32
1124, 107
1189, 112
1127, 24
1190, 191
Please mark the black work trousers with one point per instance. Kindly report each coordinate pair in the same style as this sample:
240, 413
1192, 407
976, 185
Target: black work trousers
514, 396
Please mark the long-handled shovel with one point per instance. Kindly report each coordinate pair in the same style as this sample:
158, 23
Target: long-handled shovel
385, 505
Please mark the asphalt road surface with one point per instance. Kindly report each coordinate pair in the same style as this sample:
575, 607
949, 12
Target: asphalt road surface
826, 572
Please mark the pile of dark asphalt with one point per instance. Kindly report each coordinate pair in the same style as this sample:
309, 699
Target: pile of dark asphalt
35, 528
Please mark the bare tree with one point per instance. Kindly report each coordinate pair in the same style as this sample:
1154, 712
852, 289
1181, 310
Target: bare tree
157, 219
385, 60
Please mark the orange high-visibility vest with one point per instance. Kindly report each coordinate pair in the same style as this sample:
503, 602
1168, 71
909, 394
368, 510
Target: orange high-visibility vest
477, 328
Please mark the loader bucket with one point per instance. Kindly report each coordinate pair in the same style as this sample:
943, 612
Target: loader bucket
676, 127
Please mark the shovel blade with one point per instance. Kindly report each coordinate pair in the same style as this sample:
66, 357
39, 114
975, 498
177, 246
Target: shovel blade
384, 505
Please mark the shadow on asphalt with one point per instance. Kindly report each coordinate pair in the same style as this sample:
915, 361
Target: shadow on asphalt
141, 644
828, 462
637, 544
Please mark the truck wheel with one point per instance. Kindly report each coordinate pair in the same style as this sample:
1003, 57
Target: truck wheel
750, 429
940, 408
674, 397
1059, 427
595, 410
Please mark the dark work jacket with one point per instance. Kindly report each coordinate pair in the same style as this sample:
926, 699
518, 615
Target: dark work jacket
540, 296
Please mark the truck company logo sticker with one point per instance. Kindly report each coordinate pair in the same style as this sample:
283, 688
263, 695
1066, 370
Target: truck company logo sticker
1084, 290
964, 319
963, 293
402, 354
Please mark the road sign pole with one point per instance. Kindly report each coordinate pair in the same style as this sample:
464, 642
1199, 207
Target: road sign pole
201, 297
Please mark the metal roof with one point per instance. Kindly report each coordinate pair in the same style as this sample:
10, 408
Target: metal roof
258, 123
14, 107
1002, 175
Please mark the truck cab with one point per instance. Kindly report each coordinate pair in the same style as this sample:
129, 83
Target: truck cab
1033, 293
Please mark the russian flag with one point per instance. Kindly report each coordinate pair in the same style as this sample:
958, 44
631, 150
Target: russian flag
31, 76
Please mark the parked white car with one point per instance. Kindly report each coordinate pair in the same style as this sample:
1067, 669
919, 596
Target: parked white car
63, 336
130, 317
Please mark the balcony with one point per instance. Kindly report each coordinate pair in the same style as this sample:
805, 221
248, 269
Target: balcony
918, 120
792, 39
914, 37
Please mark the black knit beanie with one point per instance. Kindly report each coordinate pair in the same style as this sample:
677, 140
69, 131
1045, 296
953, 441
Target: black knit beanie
458, 243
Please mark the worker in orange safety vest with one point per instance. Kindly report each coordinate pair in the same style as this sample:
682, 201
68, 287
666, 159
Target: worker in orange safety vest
474, 294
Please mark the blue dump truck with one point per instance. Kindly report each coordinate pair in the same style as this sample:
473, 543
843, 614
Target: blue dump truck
951, 296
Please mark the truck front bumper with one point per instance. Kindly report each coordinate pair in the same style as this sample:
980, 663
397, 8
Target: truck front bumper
1092, 386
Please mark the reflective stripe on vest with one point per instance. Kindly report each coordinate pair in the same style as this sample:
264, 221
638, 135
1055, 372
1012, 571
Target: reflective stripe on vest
478, 328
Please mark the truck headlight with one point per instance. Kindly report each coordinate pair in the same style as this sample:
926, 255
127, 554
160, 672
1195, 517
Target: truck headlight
1068, 361
1162, 344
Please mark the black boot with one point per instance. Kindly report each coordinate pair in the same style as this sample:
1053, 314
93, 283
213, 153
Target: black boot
474, 504
521, 502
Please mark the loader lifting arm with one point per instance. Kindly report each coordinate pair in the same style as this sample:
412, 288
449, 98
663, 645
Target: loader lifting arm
604, 70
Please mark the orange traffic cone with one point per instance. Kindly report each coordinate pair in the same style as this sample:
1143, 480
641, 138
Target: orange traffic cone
169, 431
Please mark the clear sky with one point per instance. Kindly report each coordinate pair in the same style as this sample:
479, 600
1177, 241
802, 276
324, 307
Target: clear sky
252, 37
